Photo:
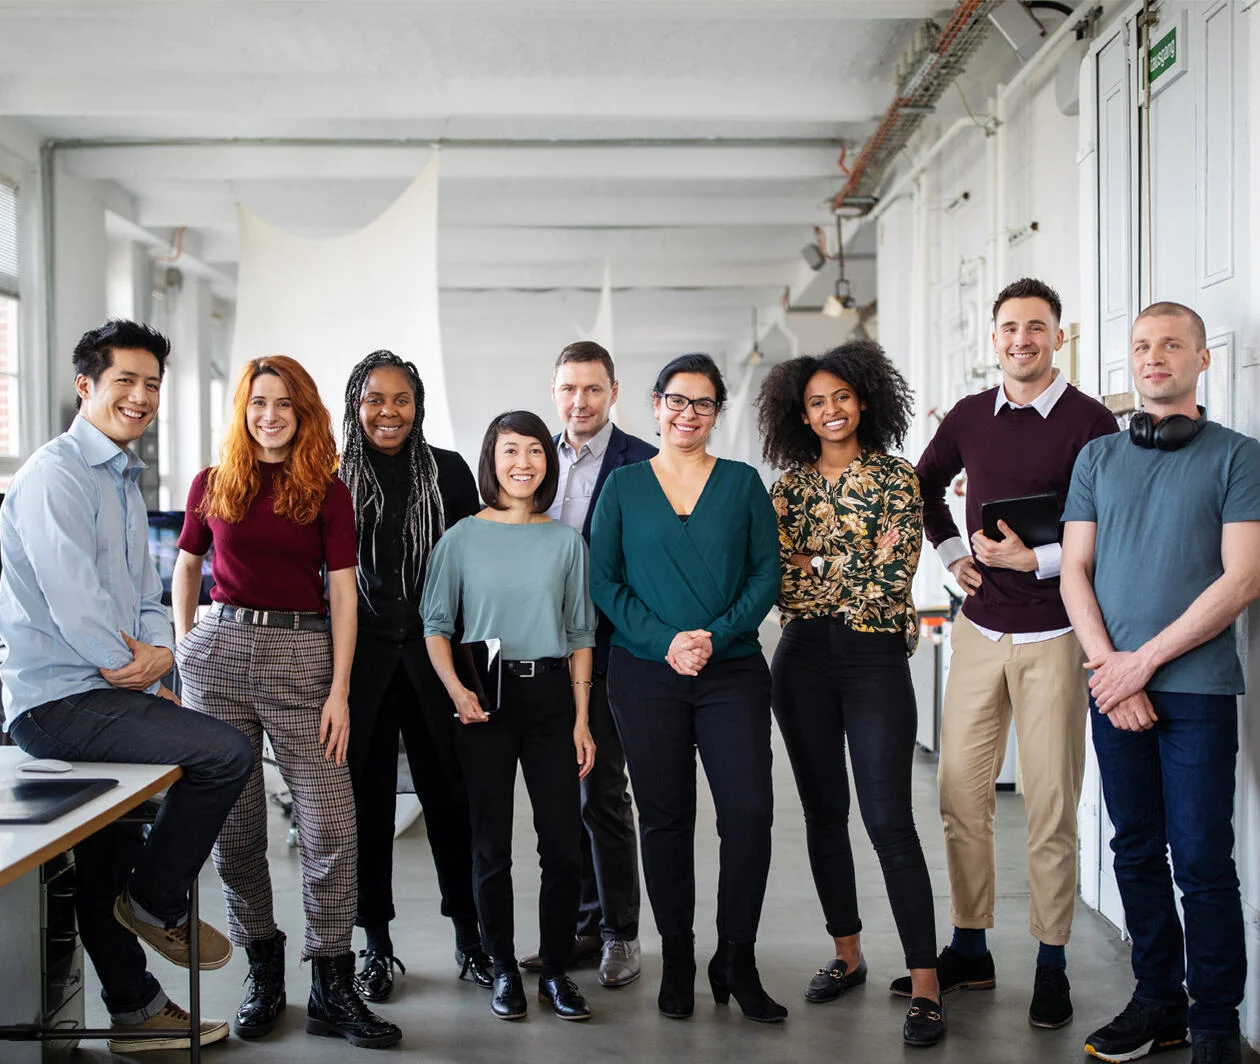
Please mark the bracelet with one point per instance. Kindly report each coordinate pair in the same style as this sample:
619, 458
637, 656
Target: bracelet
581, 683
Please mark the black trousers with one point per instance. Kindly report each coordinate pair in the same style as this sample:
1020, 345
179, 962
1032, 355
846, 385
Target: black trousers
664, 718
393, 690
534, 727
831, 684
610, 848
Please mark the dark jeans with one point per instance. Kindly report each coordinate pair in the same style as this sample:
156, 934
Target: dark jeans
1173, 787
129, 726
610, 848
393, 688
831, 684
535, 727
664, 719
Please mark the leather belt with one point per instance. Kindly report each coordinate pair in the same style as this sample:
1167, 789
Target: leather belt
296, 622
525, 670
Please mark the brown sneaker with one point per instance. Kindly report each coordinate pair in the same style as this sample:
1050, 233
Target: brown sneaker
166, 1030
172, 942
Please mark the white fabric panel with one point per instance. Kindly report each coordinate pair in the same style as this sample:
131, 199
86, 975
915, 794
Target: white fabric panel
329, 302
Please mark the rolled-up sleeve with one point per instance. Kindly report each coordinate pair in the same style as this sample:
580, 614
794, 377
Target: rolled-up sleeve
580, 618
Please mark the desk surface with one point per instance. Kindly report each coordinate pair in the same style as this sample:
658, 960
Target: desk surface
26, 846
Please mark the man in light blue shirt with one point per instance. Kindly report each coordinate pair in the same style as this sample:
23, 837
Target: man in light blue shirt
88, 641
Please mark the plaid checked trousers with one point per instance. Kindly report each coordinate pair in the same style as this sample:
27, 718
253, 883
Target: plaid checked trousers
276, 680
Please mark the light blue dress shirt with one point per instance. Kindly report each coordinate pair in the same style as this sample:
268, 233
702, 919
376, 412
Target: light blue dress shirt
77, 570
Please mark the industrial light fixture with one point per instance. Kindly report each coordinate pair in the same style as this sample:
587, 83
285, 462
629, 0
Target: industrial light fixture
815, 254
841, 298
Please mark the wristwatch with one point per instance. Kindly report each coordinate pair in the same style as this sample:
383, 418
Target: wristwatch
816, 563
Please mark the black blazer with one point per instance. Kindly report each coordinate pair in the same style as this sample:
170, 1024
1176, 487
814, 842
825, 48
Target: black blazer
622, 450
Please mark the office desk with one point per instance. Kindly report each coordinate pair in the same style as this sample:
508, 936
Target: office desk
23, 849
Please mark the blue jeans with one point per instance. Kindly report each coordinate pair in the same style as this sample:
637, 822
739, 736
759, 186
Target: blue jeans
1173, 787
129, 726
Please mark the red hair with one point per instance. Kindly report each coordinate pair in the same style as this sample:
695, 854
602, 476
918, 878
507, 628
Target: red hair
301, 485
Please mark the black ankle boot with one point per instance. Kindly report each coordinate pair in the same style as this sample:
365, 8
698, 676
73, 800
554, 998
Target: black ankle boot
677, 999
335, 1009
265, 999
733, 970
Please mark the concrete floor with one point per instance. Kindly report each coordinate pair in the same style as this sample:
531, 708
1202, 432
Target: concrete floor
447, 1020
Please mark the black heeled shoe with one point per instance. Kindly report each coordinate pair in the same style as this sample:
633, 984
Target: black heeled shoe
733, 970
677, 997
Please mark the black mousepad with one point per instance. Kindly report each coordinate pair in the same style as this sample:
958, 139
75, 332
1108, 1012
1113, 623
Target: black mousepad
41, 801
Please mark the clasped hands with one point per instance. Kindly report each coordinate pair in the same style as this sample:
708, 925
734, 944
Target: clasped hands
689, 652
1117, 685
148, 664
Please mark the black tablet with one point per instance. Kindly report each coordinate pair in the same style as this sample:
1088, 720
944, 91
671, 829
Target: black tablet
41, 801
1034, 518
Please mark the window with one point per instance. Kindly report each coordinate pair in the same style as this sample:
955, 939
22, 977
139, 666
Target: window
10, 445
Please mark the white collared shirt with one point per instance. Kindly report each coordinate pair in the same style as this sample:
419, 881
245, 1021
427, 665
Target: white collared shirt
1050, 556
578, 472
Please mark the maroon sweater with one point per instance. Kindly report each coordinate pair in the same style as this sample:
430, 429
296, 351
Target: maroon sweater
1012, 453
267, 562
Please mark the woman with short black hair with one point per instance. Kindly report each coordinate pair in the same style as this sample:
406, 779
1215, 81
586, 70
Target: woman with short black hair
518, 579
850, 527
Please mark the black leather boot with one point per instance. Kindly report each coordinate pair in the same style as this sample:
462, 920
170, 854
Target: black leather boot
335, 1009
677, 998
265, 999
740, 978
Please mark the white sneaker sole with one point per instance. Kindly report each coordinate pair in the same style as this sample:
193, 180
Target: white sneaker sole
209, 1033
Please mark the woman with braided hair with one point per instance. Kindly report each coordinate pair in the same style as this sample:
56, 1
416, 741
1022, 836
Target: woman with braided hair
406, 494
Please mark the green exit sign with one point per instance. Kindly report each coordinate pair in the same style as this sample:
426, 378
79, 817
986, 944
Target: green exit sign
1163, 55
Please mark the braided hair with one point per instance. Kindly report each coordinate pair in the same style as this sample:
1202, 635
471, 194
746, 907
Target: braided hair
424, 521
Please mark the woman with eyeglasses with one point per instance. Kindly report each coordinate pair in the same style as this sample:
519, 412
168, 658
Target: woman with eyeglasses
518, 579
684, 562
850, 521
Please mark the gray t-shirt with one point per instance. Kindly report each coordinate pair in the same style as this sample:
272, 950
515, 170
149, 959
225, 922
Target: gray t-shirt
1159, 516
525, 585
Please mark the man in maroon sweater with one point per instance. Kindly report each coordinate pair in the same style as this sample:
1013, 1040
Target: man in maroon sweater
1014, 652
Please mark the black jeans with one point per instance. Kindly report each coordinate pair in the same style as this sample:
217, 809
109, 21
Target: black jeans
610, 848
664, 719
394, 689
831, 684
535, 727
129, 726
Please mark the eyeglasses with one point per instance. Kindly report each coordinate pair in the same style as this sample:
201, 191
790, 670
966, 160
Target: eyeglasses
704, 407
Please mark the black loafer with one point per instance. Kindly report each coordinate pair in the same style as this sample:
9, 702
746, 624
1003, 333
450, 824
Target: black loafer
955, 972
833, 979
563, 995
925, 1023
376, 981
1052, 998
474, 964
508, 1002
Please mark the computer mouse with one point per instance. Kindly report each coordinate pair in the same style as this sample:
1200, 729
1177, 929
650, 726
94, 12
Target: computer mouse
45, 764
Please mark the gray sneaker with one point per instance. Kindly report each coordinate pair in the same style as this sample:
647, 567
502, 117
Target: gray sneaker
621, 962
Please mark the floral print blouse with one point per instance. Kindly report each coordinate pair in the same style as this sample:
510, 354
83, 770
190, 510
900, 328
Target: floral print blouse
869, 586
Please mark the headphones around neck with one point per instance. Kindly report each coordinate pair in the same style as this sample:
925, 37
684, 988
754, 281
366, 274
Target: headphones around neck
1168, 434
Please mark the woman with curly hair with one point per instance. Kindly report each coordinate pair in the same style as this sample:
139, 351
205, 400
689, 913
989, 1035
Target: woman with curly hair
850, 529
273, 655
406, 493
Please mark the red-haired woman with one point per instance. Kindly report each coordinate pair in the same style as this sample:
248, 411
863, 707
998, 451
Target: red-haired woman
272, 654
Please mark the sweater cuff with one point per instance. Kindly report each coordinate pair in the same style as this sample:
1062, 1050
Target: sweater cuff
950, 550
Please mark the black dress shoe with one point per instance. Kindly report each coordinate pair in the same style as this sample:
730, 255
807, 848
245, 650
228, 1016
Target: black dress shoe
956, 972
585, 948
1052, 998
925, 1023
474, 964
376, 981
563, 995
508, 1002
834, 979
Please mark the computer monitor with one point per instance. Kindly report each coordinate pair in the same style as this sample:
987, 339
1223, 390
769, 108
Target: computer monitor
164, 529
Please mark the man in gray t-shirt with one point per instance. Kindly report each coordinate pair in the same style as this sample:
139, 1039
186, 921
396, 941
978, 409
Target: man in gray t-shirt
1161, 552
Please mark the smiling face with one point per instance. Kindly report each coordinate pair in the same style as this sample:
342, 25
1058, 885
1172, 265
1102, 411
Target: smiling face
520, 463
270, 418
584, 396
387, 410
684, 429
123, 400
1026, 335
832, 408
1166, 360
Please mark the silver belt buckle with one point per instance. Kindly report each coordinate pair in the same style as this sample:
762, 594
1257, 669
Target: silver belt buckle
529, 675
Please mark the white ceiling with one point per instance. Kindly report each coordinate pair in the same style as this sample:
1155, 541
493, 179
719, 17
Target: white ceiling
708, 133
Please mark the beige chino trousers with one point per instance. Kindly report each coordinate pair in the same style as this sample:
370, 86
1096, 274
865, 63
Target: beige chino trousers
1044, 687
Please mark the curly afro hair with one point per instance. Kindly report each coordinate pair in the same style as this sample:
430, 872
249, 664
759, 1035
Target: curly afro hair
788, 441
